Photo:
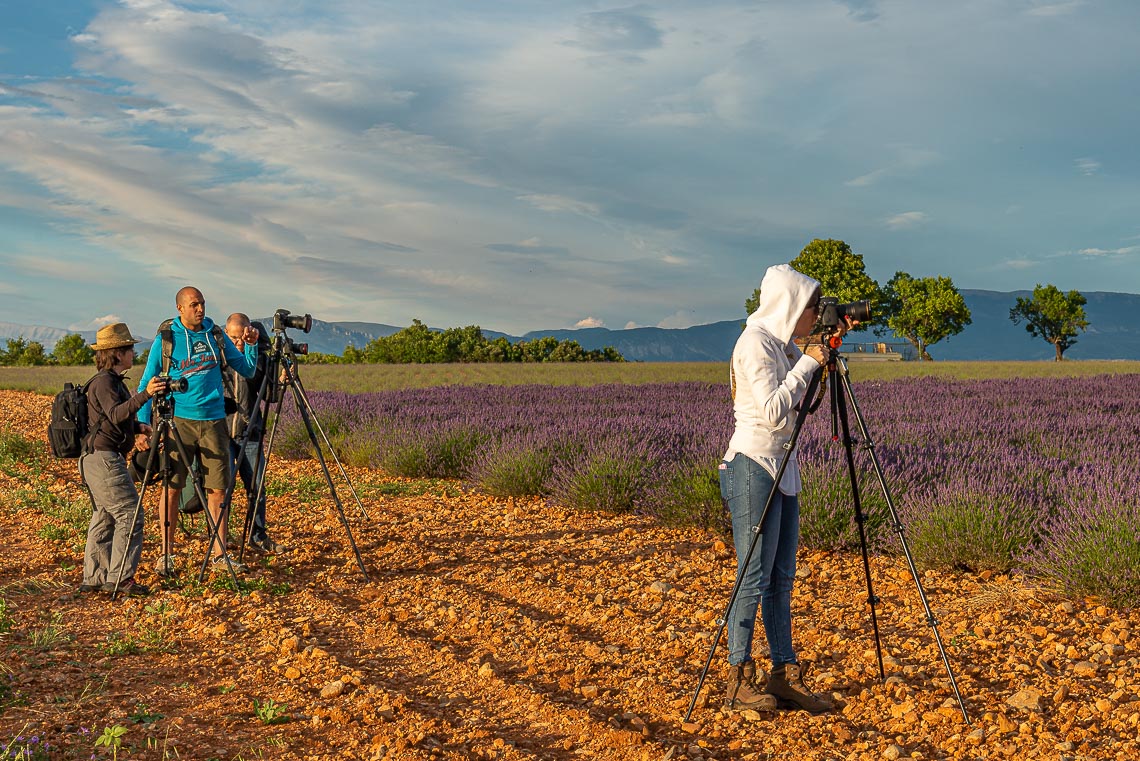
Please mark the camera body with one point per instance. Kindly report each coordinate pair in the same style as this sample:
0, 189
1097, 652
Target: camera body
282, 319
832, 313
173, 385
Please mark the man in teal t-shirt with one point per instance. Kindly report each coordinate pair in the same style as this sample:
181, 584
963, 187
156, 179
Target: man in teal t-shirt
196, 352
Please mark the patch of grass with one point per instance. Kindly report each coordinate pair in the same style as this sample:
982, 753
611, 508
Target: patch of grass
51, 635
143, 715
270, 712
17, 448
604, 480
690, 496
973, 532
304, 489
515, 472
6, 621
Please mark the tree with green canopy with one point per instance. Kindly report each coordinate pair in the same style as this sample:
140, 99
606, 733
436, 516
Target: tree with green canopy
924, 310
841, 274
72, 349
1050, 314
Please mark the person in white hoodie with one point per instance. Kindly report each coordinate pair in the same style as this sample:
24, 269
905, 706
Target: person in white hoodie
770, 375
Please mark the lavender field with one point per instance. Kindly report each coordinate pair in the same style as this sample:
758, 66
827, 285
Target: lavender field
1035, 475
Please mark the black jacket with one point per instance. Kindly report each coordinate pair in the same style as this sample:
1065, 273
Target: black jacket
111, 413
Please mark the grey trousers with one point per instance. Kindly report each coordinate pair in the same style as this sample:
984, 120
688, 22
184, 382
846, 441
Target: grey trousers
109, 537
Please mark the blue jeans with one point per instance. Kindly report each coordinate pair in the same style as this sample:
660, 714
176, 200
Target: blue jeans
247, 458
767, 582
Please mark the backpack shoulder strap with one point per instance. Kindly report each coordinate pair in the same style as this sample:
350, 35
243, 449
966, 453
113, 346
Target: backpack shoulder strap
219, 339
92, 429
167, 335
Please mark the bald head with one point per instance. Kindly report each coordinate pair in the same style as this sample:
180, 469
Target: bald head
236, 324
191, 306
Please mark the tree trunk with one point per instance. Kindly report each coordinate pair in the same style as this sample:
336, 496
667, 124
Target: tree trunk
1060, 351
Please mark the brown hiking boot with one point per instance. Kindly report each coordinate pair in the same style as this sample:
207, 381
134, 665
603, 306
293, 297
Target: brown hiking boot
743, 691
787, 685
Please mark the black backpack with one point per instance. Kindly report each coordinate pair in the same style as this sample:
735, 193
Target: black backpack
68, 429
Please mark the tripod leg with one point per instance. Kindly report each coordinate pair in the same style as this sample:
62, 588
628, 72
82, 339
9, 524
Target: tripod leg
303, 407
332, 452
839, 408
899, 529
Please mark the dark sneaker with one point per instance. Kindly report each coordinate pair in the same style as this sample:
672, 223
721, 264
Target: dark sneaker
744, 693
265, 544
90, 588
787, 686
130, 588
218, 565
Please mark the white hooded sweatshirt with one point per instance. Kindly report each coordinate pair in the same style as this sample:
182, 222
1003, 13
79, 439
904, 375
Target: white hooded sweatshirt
770, 374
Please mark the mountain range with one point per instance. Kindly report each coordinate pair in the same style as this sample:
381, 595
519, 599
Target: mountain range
1113, 333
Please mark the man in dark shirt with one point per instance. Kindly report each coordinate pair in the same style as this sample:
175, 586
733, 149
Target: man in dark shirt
103, 467
242, 392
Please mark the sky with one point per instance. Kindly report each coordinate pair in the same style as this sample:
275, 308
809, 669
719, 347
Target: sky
538, 165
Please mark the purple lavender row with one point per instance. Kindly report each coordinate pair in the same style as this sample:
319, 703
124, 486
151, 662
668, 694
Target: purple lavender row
986, 473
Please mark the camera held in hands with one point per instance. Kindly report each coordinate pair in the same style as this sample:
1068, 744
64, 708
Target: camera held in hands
282, 319
832, 313
173, 385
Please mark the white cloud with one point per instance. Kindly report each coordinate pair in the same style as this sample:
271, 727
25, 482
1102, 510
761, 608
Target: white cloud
1087, 166
907, 220
1049, 9
1018, 264
590, 322
682, 318
1108, 252
631, 325
97, 322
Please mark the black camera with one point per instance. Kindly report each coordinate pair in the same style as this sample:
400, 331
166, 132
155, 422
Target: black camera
282, 319
173, 385
831, 312
296, 348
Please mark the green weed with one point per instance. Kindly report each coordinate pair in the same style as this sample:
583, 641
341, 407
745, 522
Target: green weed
270, 712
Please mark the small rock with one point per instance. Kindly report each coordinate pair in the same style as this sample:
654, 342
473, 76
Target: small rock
589, 691
1028, 699
749, 715
691, 727
1104, 705
1085, 668
486, 671
332, 689
977, 737
292, 673
893, 752
660, 587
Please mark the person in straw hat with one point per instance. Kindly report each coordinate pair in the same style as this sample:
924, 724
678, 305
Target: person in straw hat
111, 410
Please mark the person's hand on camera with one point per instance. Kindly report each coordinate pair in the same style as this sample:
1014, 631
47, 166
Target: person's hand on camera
155, 385
249, 335
847, 324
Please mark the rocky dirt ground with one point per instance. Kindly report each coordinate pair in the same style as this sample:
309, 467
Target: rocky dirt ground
507, 629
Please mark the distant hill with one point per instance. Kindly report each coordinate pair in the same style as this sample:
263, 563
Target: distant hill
1113, 333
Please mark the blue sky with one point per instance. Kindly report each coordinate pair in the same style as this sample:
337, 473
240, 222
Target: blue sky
522, 165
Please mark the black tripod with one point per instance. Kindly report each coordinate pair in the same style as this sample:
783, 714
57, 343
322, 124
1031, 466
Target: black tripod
837, 366
164, 432
281, 373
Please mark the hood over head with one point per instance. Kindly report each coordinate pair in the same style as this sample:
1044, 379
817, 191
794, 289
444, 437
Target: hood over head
784, 295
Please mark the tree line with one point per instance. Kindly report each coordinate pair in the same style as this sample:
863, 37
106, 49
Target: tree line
925, 310
416, 343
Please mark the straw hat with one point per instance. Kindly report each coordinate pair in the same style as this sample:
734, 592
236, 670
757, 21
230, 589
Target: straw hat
114, 336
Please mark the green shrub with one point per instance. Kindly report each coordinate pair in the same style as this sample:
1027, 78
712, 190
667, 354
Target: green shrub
970, 531
515, 472
605, 480
690, 496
